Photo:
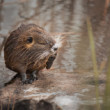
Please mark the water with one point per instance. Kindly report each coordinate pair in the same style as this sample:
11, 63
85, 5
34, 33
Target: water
75, 56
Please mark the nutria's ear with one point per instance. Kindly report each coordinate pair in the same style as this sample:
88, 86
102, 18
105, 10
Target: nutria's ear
21, 27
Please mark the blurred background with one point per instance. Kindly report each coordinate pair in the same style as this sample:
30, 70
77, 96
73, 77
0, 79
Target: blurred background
77, 55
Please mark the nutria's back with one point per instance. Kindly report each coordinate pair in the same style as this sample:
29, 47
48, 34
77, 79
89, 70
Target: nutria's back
29, 48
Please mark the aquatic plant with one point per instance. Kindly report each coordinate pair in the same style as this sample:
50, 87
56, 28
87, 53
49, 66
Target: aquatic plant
94, 60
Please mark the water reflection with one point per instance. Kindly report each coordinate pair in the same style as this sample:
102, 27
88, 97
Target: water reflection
64, 16
1, 13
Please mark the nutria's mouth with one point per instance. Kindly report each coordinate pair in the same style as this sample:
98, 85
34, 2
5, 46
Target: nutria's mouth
50, 61
51, 54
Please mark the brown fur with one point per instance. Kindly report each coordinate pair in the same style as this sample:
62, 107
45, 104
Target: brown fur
21, 56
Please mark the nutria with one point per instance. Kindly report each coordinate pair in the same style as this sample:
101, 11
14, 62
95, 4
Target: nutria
29, 49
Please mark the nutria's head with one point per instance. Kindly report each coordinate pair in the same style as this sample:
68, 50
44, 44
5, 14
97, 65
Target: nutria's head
27, 44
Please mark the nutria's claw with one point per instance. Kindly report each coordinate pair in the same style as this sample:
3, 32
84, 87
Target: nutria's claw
27, 81
34, 78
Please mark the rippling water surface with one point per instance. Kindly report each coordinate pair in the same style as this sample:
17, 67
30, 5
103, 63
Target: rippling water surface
75, 55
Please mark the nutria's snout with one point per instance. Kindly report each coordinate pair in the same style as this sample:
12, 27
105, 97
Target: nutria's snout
54, 48
29, 48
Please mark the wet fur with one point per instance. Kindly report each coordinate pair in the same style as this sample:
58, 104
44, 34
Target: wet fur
20, 56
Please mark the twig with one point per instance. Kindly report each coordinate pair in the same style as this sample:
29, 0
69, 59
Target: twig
65, 33
106, 8
3, 43
1, 105
13, 106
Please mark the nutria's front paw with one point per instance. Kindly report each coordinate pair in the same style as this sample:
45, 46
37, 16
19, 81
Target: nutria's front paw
27, 81
34, 78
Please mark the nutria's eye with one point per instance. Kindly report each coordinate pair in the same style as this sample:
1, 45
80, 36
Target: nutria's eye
29, 40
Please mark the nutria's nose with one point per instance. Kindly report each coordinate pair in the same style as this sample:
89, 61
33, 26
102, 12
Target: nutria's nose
54, 48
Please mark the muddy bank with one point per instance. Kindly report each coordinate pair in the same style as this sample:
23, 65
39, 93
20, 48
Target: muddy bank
47, 85
65, 89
